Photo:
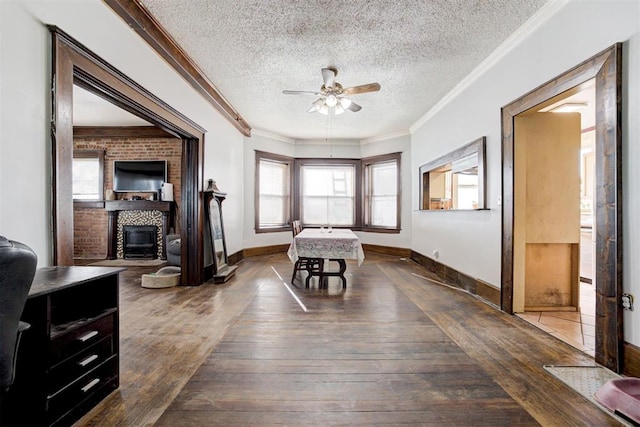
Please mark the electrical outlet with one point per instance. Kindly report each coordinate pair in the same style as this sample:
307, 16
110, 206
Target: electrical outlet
436, 254
627, 302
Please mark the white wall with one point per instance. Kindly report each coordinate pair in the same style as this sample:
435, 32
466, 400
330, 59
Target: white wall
25, 183
335, 149
470, 241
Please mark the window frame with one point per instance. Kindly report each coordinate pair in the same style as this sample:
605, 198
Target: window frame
366, 202
361, 205
289, 161
91, 154
297, 197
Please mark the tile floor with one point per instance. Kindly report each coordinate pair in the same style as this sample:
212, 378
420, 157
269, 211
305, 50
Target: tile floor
575, 328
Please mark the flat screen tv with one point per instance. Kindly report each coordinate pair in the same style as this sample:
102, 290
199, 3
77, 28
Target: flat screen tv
139, 176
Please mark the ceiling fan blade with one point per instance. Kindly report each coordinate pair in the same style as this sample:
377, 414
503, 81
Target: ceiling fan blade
329, 76
300, 92
316, 105
354, 107
371, 87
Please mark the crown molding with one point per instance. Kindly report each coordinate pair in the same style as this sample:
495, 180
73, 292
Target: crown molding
386, 137
328, 142
271, 135
540, 17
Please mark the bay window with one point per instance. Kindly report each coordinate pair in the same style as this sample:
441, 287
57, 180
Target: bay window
273, 192
361, 194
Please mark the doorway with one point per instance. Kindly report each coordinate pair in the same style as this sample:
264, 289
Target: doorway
554, 217
605, 68
74, 64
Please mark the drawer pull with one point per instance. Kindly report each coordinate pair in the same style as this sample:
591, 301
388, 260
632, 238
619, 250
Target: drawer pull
92, 384
88, 336
88, 360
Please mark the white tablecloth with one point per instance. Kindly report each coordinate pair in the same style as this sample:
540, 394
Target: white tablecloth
315, 243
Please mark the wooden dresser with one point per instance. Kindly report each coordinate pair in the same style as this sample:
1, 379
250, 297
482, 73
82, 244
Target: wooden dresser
68, 360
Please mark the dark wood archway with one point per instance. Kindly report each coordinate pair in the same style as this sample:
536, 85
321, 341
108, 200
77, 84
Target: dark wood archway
606, 68
73, 63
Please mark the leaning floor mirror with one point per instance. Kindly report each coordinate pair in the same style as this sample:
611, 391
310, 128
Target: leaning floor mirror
216, 259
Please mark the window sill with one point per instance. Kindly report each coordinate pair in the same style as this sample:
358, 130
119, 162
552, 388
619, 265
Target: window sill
88, 204
273, 229
380, 230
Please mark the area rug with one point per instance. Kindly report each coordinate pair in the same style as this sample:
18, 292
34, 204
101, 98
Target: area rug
586, 380
130, 263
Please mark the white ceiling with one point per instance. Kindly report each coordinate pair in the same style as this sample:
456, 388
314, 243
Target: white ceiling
91, 110
418, 50
252, 50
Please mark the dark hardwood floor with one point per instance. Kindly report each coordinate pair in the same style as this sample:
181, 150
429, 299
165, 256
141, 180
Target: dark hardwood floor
393, 348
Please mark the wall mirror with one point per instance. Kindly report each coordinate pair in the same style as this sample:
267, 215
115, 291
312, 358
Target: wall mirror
455, 181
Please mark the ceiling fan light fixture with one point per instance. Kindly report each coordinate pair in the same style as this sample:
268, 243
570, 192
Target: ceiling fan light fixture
338, 109
324, 109
331, 100
345, 103
316, 105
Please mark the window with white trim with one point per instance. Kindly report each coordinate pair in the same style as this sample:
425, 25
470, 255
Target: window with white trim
88, 175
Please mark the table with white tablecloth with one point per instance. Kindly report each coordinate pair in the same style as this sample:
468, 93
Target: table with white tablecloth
324, 244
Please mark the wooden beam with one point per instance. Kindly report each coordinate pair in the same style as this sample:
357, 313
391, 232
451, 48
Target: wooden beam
141, 21
119, 132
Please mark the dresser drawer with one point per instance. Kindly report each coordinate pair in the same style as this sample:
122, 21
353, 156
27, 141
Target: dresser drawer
80, 363
61, 402
72, 342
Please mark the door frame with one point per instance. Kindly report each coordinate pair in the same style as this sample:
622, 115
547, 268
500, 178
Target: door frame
606, 68
73, 63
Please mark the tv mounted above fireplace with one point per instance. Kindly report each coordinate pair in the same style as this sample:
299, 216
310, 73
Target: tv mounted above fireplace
139, 176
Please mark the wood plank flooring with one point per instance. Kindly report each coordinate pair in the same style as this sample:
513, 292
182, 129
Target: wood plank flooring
393, 348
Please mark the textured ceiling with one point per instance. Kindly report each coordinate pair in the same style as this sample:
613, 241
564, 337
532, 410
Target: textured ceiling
418, 50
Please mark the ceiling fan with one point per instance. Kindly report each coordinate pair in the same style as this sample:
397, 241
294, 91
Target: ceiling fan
332, 96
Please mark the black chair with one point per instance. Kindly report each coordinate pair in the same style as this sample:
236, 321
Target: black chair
309, 265
17, 268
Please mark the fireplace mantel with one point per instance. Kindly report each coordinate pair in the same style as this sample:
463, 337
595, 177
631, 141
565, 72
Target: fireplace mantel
115, 206
137, 205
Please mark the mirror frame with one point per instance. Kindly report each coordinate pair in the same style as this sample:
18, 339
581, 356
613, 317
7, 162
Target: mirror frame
479, 147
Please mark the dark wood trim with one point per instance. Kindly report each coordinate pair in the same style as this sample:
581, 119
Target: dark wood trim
366, 208
631, 360
606, 68
98, 132
488, 292
93, 204
145, 25
358, 198
477, 146
72, 64
387, 250
263, 155
235, 258
453, 277
265, 250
